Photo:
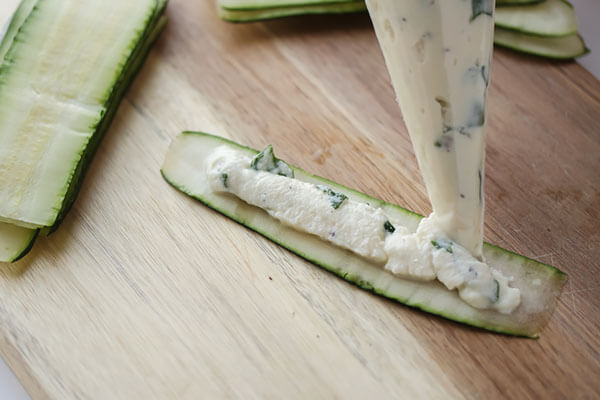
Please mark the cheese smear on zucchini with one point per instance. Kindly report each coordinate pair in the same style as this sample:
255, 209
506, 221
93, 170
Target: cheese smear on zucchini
426, 254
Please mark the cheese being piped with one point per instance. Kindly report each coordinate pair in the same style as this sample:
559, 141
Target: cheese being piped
438, 54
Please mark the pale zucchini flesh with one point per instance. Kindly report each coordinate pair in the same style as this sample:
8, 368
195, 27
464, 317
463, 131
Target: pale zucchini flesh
540, 284
134, 65
15, 242
554, 18
560, 48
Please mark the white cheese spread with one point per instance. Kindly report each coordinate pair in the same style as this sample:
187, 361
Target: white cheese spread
426, 254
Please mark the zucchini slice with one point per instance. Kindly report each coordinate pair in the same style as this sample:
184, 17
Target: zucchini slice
57, 82
233, 14
502, 3
14, 242
540, 284
249, 5
555, 18
560, 48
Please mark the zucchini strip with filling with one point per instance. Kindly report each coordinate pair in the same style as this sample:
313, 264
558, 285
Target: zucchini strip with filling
539, 284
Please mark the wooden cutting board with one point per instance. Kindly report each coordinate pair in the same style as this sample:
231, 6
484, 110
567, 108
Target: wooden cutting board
144, 293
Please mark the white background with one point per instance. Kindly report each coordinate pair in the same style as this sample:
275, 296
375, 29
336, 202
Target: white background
588, 12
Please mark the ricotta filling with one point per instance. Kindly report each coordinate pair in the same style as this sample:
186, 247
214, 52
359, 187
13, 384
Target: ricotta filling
426, 254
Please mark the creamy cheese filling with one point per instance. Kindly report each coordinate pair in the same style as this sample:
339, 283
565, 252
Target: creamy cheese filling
426, 254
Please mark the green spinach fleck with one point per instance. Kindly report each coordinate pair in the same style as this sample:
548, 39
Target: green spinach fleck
485, 74
335, 198
480, 176
477, 117
482, 7
445, 244
496, 296
388, 227
479, 71
445, 141
266, 161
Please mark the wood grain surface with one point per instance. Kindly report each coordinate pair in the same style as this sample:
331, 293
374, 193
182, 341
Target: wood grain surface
144, 293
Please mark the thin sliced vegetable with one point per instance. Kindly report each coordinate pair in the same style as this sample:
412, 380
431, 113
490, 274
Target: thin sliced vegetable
502, 3
554, 18
235, 15
562, 48
248, 5
15, 242
540, 284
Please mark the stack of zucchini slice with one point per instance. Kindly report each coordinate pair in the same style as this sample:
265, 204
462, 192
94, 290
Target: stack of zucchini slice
65, 65
546, 28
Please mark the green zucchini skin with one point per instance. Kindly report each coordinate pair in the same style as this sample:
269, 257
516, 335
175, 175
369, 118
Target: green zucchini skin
185, 175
